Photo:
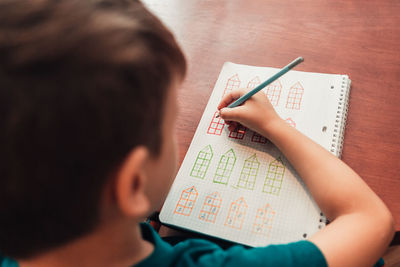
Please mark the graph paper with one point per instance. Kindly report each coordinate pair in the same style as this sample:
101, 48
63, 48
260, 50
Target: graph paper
237, 185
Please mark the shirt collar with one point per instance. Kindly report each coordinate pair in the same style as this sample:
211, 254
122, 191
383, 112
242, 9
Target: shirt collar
161, 251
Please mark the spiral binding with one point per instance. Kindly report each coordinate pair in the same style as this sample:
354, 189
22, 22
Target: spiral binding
341, 116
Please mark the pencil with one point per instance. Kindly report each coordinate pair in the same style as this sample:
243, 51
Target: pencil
284, 70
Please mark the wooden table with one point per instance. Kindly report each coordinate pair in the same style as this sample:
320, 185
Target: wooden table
359, 38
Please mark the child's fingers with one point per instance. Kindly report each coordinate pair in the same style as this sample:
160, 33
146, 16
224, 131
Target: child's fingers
230, 97
231, 114
231, 128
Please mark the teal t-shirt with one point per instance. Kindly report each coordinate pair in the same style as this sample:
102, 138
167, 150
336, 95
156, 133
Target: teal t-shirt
198, 252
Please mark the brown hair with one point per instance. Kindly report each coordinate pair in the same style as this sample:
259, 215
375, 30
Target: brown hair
81, 84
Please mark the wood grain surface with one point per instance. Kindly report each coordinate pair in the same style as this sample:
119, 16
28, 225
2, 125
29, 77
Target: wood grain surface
359, 38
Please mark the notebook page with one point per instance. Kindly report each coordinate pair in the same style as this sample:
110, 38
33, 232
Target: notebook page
237, 185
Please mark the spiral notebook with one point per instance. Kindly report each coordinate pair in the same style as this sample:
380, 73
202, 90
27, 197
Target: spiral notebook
237, 185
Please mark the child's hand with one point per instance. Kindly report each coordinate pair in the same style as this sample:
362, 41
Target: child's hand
257, 113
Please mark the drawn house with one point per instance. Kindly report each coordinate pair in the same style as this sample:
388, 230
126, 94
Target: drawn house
253, 83
273, 92
186, 201
217, 125
249, 173
295, 96
225, 167
202, 162
232, 84
274, 179
236, 214
238, 133
211, 207
258, 138
263, 222
291, 122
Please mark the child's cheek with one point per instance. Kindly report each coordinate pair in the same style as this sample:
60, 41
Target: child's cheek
172, 159
169, 165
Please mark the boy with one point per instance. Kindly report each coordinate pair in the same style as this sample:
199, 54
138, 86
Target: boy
88, 106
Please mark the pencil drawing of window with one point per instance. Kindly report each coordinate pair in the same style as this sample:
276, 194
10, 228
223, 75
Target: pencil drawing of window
258, 138
249, 173
236, 214
238, 133
225, 167
291, 122
211, 207
186, 201
232, 84
274, 179
253, 83
295, 96
216, 125
202, 162
273, 92
263, 222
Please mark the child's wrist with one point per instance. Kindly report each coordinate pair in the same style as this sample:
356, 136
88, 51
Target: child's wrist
272, 128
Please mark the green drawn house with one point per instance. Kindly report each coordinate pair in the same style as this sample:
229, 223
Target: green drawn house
274, 179
225, 167
202, 162
249, 173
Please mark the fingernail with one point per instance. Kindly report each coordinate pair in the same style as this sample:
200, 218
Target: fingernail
219, 114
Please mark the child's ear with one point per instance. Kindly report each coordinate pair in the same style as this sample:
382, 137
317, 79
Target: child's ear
130, 184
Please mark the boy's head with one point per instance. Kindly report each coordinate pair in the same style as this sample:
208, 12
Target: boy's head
85, 86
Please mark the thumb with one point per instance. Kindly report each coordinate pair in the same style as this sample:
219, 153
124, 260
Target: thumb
231, 114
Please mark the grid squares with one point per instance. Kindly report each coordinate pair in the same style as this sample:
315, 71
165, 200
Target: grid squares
211, 207
249, 173
186, 201
258, 138
232, 84
273, 92
216, 125
263, 222
225, 167
236, 214
202, 162
295, 96
274, 179
291, 122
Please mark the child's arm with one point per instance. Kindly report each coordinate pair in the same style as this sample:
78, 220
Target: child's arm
361, 226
